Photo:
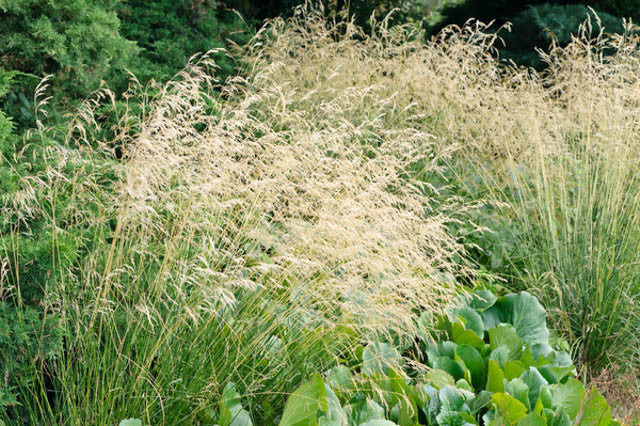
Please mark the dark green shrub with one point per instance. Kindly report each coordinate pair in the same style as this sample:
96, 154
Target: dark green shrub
624, 8
535, 20
170, 32
537, 26
505, 10
28, 340
78, 41
6, 124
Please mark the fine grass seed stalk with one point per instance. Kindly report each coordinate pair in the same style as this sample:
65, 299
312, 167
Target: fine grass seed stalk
254, 240
259, 230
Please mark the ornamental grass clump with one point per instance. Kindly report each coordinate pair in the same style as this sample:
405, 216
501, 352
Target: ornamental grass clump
252, 235
570, 177
553, 154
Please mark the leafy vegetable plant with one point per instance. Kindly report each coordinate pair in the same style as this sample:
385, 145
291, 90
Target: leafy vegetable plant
495, 365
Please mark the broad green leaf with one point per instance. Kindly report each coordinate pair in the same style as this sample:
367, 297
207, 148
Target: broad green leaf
527, 316
303, 405
489, 417
406, 397
560, 418
490, 317
506, 335
509, 407
480, 401
482, 300
231, 411
527, 358
546, 398
472, 320
462, 336
495, 377
502, 354
440, 378
377, 357
433, 408
532, 419
379, 422
407, 413
463, 384
514, 369
455, 418
542, 350
440, 349
453, 367
364, 411
562, 359
535, 381
520, 391
451, 398
333, 415
473, 361
548, 413
568, 395
385, 384
340, 378
595, 412
539, 407
555, 374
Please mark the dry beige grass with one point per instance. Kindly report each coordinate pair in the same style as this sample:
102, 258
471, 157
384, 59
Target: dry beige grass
313, 174
281, 214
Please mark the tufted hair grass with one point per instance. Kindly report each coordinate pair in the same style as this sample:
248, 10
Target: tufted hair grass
254, 233
261, 229
568, 170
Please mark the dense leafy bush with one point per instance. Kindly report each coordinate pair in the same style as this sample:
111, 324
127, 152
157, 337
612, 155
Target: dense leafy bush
84, 44
29, 340
170, 32
494, 365
78, 41
6, 125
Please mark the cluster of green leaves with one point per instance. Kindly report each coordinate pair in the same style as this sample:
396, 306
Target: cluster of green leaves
170, 32
495, 365
78, 41
84, 44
